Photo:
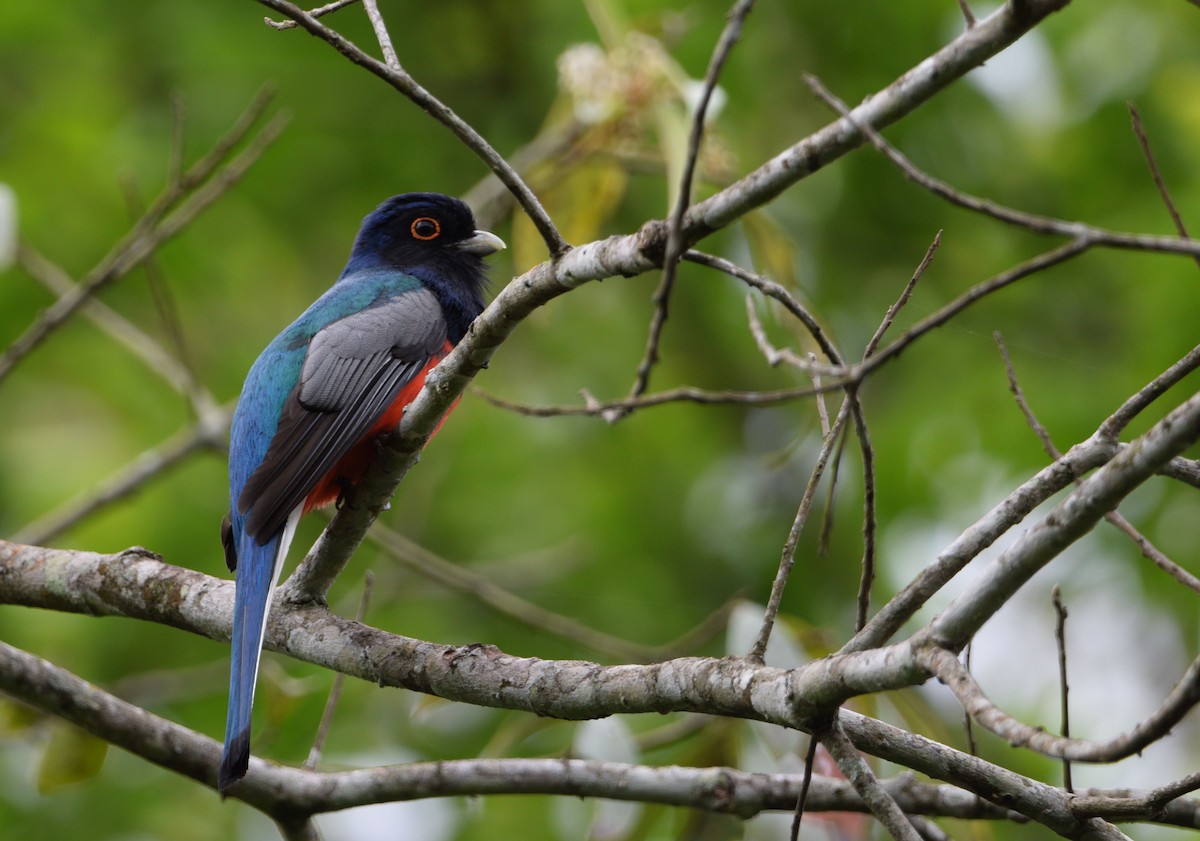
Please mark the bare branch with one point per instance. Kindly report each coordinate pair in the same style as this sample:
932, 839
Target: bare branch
1075, 516
406, 85
1139, 131
173, 210
788, 555
881, 109
776, 355
1177, 704
1115, 423
1015, 387
882, 805
382, 35
119, 329
682, 394
778, 293
864, 440
106, 585
894, 310
1148, 549
292, 795
968, 17
805, 787
1060, 638
675, 246
318, 12
207, 433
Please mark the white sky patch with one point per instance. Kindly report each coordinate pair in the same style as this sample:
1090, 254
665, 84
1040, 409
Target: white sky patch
8, 226
1124, 654
432, 819
1023, 82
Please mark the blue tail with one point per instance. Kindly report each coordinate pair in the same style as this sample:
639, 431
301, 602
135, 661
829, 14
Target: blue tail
257, 571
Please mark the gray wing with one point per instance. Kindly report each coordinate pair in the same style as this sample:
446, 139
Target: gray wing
353, 371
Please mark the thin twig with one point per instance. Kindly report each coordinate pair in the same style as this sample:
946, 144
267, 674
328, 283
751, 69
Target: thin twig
827, 515
1029, 221
1152, 553
405, 84
682, 394
802, 799
1019, 395
1115, 423
776, 355
788, 555
175, 208
1114, 518
119, 329
1139, 131
1060, 637
1040, 263
207, 432
869, 526
968, 724
164, 303
968, 16
822, 407
894, 310
304, 829
553, 147
675, 244
318, 12
861, 432
382, 35
1182, 698
778, 293
882, 805
1087, 235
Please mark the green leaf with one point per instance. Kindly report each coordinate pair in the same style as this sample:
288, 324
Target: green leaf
72, 756
15, 718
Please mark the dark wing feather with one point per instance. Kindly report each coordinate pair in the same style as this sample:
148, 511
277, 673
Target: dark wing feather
353, 372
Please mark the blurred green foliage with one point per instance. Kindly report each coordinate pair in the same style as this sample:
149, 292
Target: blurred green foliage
641, 529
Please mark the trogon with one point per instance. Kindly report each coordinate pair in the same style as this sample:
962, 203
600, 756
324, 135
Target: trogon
339, 376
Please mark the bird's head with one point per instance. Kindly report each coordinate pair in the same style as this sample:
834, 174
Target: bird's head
428, 235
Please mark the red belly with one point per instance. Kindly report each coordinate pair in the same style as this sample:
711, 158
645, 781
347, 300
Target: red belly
350, 469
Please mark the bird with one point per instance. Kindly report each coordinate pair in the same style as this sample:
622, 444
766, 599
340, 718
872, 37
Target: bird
324, 389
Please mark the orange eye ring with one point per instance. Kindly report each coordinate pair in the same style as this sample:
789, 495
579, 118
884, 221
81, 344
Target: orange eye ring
425, 228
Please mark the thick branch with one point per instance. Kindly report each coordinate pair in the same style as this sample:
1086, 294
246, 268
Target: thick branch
291, 795
137, 584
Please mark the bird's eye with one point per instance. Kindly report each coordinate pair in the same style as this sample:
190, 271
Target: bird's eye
426, 228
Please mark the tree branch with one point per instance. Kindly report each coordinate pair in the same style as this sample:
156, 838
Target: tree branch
180, 202
405, 84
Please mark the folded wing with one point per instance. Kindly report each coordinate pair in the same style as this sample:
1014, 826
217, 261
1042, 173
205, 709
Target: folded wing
354, 370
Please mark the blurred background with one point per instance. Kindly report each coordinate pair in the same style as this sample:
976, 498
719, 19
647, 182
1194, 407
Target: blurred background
669, 524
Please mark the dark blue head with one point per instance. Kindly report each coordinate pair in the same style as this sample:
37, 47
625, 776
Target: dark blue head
433, 238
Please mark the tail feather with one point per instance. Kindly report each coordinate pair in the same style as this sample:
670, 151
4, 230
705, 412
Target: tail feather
257, 572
